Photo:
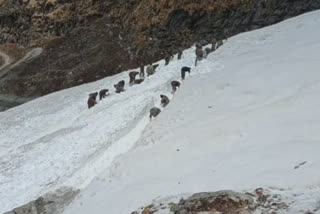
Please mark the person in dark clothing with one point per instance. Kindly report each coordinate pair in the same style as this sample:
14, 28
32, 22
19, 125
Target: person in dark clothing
180, 52
132, 76
154, 112
141, 74
175, 84
164, 100
199, 54
184, 70
92, 99
103, 93
119, 86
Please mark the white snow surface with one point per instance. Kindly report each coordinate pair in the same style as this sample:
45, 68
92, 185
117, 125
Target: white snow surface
243, 119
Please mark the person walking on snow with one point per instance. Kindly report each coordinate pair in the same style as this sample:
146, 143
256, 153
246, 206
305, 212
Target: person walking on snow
199, 53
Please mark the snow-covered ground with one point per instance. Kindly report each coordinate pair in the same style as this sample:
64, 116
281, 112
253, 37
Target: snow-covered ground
244, 118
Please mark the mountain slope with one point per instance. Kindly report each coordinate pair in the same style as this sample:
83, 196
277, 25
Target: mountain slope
68, 143
243, 119
87, 40
244, 124
5, 60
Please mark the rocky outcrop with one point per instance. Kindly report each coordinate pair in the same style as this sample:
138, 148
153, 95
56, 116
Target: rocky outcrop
188, 22
227, 202
88, 54
146, 26
52, 203
86, 40
28, 22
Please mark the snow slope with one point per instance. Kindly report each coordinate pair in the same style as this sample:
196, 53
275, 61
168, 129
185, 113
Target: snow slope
241, 125
244, 118
56, 141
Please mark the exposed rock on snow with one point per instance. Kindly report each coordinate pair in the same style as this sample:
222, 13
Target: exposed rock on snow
259, 201
227, 202
51, 203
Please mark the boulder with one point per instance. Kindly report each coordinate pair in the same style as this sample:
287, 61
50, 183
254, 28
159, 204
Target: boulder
226, 202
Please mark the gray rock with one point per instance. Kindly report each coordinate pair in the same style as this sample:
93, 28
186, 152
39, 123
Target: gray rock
226, 201
51, 203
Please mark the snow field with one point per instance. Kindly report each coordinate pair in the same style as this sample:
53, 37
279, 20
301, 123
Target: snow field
246, 122
56, 141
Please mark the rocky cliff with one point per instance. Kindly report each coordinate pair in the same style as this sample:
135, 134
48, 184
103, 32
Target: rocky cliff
85, 40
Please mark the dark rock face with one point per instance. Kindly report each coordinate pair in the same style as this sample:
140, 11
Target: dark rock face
183, 28
86, 55
87, 40
7, 102
1, 61
26, 21
227, 202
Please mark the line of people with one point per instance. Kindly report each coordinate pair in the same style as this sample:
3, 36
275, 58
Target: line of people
154, 112
119, 87
200, 54
150, 70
